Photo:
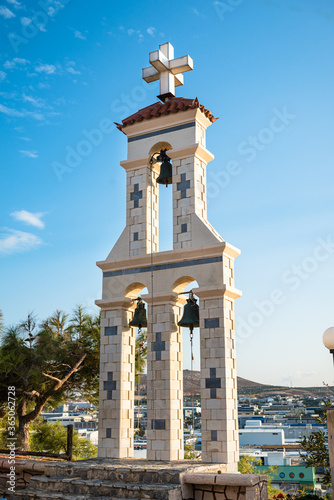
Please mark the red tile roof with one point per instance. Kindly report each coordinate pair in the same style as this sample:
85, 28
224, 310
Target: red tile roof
172, 105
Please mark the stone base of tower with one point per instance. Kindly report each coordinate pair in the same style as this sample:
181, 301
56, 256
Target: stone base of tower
213, 269
135, 479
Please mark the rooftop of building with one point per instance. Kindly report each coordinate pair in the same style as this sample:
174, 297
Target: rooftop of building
171, 105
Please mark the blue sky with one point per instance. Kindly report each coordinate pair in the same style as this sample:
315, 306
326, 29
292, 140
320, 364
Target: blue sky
265, 68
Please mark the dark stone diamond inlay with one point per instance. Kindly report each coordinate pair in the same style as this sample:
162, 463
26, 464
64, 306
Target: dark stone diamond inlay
109, 385
183, 186
136, 195
213, 383
158, 346
110, 330
211, 323
108, 433
214, 436
183, 228
159, 425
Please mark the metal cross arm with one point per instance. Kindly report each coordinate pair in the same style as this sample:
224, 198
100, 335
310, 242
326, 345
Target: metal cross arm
167, 69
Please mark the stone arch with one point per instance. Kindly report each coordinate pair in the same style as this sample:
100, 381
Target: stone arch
181, 283
133, 290
158, 146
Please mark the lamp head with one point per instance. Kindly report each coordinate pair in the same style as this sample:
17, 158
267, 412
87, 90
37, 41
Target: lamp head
328, 338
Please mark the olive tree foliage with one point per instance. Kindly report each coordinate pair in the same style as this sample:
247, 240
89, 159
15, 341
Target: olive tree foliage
316, 447
140, 354
48, 363
52, 438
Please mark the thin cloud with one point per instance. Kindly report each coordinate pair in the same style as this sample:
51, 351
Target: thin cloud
32, 219
49, 69
25, 21
73, 71
15, 113
29, 154
9, 111
15, 4
6, 13
151, 31
17, 61
12, 241
2, 75
78, 34
38, 102
131, 32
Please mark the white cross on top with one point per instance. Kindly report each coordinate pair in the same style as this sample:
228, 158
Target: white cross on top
167, 69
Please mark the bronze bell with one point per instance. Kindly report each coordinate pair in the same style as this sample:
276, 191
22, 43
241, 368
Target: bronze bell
139, 317
190, 316
165, 176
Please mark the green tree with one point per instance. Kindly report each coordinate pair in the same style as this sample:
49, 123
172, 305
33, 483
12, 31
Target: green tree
48, 364
140, 354
248, 465
52, 438
316, 447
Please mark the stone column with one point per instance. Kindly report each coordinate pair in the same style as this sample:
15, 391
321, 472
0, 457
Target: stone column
164, 379
218, 378
142, 215
117, 374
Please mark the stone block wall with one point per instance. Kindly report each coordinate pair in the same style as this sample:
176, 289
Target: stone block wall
164, 381
116, 407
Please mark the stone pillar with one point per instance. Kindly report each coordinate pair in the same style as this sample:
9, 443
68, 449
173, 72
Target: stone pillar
218, 377
117, 369
143, 223
164, 379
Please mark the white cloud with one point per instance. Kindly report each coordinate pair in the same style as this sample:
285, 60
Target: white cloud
25, 139
32, 219
2, 75
29, 154
17, 61
73, 71
46, 68
14, 112
151, 31
9, 111
25, 21
39, 103
15, 4
6, 13
12, 241
78, 34
131, 32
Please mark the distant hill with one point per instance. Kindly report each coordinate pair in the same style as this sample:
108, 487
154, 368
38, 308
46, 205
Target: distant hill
191, 384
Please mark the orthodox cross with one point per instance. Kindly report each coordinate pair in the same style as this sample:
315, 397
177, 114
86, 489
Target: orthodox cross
167, 69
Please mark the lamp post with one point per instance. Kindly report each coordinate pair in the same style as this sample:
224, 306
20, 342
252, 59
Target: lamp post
328, 340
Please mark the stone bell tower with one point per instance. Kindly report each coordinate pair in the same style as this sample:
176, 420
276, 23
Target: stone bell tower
199, 254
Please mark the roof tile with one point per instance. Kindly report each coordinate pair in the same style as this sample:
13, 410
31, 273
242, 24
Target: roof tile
172, 105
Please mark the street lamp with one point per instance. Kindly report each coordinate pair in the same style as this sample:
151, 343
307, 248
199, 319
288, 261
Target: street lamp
328, 340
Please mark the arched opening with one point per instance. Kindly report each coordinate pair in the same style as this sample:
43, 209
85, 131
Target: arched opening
134, 291
165, 203
191, 372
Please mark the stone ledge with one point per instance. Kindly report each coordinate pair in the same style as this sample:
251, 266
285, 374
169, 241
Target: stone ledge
224, 479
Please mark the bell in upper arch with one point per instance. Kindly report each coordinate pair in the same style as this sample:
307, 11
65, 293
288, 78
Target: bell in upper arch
139, 318
165, 176
190, 316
